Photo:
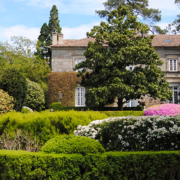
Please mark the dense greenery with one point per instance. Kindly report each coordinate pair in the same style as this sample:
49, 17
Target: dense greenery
69, 144
23, 165
45, 36
115, 49
139, 8
6, 102
35, 96
19, 55
55, 106
153, 133
15, 84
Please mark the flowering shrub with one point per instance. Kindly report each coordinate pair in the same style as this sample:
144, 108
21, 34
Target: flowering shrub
135, 133
6, 102
163, 110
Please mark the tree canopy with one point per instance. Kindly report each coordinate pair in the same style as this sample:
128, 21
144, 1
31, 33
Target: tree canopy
45, 36
115, 47
139, 8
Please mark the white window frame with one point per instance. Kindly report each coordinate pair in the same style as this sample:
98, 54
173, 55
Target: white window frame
131, 103
80, 100
175, 95
173, 66
79, 60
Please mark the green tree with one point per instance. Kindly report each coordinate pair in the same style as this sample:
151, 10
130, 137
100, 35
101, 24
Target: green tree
35, 96
116, 47
139, 8
45, 36
14, 83
31, 66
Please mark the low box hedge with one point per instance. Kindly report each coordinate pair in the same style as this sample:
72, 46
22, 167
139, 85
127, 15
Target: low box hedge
22, 165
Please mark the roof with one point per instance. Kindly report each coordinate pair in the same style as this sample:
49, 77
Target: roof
161, 40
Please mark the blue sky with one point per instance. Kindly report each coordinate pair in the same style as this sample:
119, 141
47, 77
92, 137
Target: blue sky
25, 17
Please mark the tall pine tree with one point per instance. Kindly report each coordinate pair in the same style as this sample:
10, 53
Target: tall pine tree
45, 37
139, 8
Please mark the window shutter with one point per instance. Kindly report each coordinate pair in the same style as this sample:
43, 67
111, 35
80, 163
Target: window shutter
168, 62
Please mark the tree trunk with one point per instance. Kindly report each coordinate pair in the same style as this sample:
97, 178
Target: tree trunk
120, 104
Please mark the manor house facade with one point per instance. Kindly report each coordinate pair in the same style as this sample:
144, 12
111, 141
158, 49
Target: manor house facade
65, 54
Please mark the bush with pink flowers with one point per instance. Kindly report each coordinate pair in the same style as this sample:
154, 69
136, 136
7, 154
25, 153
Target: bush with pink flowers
163, 110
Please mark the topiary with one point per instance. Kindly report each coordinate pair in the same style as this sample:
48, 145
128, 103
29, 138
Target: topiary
6, 102
69, 144
35, 96
56, 106
13, 82
163, 110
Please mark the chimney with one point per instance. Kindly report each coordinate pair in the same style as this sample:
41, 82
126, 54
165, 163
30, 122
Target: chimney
54, 38
60, 38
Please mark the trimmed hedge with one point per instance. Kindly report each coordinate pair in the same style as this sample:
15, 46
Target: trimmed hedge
21, 165
72, 144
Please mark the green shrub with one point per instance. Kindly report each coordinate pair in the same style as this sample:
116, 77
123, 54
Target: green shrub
132, 165
55, 106
123, 113
72, 144
140, 133
23, 165
6, 102
45, 125
13, 82
35, 96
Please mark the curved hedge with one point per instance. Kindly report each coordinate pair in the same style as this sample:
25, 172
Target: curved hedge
72, 144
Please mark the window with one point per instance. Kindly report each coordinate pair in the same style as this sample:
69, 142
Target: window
175, 97
131, 103
80, 96
79, 61
173, 64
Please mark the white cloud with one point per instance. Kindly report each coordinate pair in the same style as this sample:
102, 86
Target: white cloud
19, 30
78, 32
70, 6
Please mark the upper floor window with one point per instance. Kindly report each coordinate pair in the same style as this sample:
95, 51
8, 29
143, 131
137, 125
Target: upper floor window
79, 61
80, 96
173, 64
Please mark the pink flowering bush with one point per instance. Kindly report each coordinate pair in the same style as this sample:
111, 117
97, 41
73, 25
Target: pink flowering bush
163, 110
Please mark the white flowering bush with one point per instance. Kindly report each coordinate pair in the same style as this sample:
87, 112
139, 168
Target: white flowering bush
135, 133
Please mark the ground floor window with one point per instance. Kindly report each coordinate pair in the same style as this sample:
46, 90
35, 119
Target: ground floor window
80, 96
131, 103
175, 97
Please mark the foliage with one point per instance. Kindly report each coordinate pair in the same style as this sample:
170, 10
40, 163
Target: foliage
115, 47
45, 36
72, 144
6, 102
111, 165
132, 165
135, 133
35, 96
163, 110
55, 106
139, 8
45, 125
14, 83
20, 55
28, 165
66, 82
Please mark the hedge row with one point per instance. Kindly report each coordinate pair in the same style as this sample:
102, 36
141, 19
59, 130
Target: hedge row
108, 166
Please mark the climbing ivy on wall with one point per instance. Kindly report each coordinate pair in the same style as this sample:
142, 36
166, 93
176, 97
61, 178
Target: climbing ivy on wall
66, 82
